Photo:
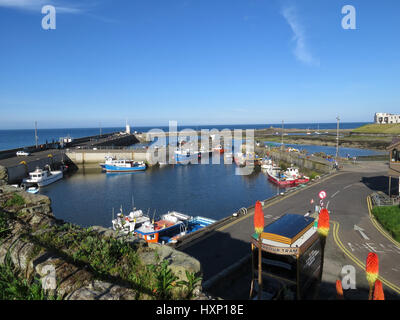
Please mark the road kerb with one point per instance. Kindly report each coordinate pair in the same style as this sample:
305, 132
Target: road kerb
377, 225
357, 261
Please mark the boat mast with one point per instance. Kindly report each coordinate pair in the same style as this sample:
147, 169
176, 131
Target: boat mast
282, 136
36, 136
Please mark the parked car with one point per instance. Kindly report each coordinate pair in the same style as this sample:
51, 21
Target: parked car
23, 153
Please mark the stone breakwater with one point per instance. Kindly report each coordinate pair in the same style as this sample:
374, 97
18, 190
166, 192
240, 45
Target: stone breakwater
74, 281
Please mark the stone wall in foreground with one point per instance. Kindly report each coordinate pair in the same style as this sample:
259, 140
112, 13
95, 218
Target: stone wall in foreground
73, 282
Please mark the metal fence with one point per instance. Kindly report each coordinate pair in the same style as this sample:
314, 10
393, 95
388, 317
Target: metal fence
381, 199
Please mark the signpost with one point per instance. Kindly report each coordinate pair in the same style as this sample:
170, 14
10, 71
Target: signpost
322, 194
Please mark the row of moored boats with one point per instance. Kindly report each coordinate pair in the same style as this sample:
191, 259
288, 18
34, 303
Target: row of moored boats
167, 229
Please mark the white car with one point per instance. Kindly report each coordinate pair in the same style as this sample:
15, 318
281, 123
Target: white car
23, 153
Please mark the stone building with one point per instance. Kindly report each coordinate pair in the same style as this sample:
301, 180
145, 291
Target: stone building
386, 118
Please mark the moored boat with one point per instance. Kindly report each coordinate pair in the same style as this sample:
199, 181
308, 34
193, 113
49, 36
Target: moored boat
172, 226
219, 149
276, 176
131, 222
294, 173
122, 165
43, 177
186, 156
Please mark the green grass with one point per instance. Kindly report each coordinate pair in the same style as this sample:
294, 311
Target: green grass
379, 128
109, 258
14, 287
389, 218
15, 201
106, 258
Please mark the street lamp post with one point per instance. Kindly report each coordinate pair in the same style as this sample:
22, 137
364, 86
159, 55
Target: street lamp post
337, 139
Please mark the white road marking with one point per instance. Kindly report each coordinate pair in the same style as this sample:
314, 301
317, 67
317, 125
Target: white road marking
351, 247
374, 249
347, 186
327, 205
335, 194
357, 228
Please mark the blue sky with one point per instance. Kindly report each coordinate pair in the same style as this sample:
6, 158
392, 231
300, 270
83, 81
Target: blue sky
197, 62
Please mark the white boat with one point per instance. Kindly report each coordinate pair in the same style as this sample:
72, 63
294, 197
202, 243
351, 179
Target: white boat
43, 177
185, 156
114, 165
131, 222
267, 164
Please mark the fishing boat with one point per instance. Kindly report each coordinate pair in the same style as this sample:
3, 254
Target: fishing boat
123, 165
126, 224
294, 173
219, 149
185, 156
228, 156
276, 176
172, 226
266, 164
239, 159
43, 177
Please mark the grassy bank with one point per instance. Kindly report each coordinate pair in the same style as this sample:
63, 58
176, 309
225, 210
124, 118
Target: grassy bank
106, 257
353, 141
13, 286
389, 218
379, 128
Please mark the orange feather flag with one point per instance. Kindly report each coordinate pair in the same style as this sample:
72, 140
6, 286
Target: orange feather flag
378, 292
258, 218
372, 268
339, 290
323, 222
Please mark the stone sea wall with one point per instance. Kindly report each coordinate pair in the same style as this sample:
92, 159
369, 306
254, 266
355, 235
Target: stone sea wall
74, 281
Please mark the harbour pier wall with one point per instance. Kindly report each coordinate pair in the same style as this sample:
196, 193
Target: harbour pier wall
82, 151
92, 158
21, 169
303, 161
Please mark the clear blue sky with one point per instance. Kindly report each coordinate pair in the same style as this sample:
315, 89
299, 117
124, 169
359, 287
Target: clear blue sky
197, 62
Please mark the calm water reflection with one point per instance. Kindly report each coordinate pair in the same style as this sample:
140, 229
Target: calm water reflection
87, 198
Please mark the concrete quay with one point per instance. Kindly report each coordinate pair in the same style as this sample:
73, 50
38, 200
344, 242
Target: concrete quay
18, 167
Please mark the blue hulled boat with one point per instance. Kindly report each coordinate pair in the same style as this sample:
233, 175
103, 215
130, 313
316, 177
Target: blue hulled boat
114, 165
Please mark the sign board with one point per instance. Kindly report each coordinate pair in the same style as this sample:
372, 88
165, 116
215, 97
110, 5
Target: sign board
277, 250
322, 194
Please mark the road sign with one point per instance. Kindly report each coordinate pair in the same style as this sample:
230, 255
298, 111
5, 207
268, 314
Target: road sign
322, 195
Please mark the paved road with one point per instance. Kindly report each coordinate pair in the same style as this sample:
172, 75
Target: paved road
346, 199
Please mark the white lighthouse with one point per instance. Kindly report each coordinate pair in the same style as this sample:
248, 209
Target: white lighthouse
128, 128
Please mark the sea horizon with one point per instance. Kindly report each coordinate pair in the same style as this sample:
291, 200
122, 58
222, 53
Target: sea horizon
20, 138
289, 124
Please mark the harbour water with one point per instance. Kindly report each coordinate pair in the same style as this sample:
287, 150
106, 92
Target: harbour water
213, 190
88, 197
10, 139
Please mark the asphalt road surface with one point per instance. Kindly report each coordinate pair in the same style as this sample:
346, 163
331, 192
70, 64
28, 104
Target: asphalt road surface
352, 231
